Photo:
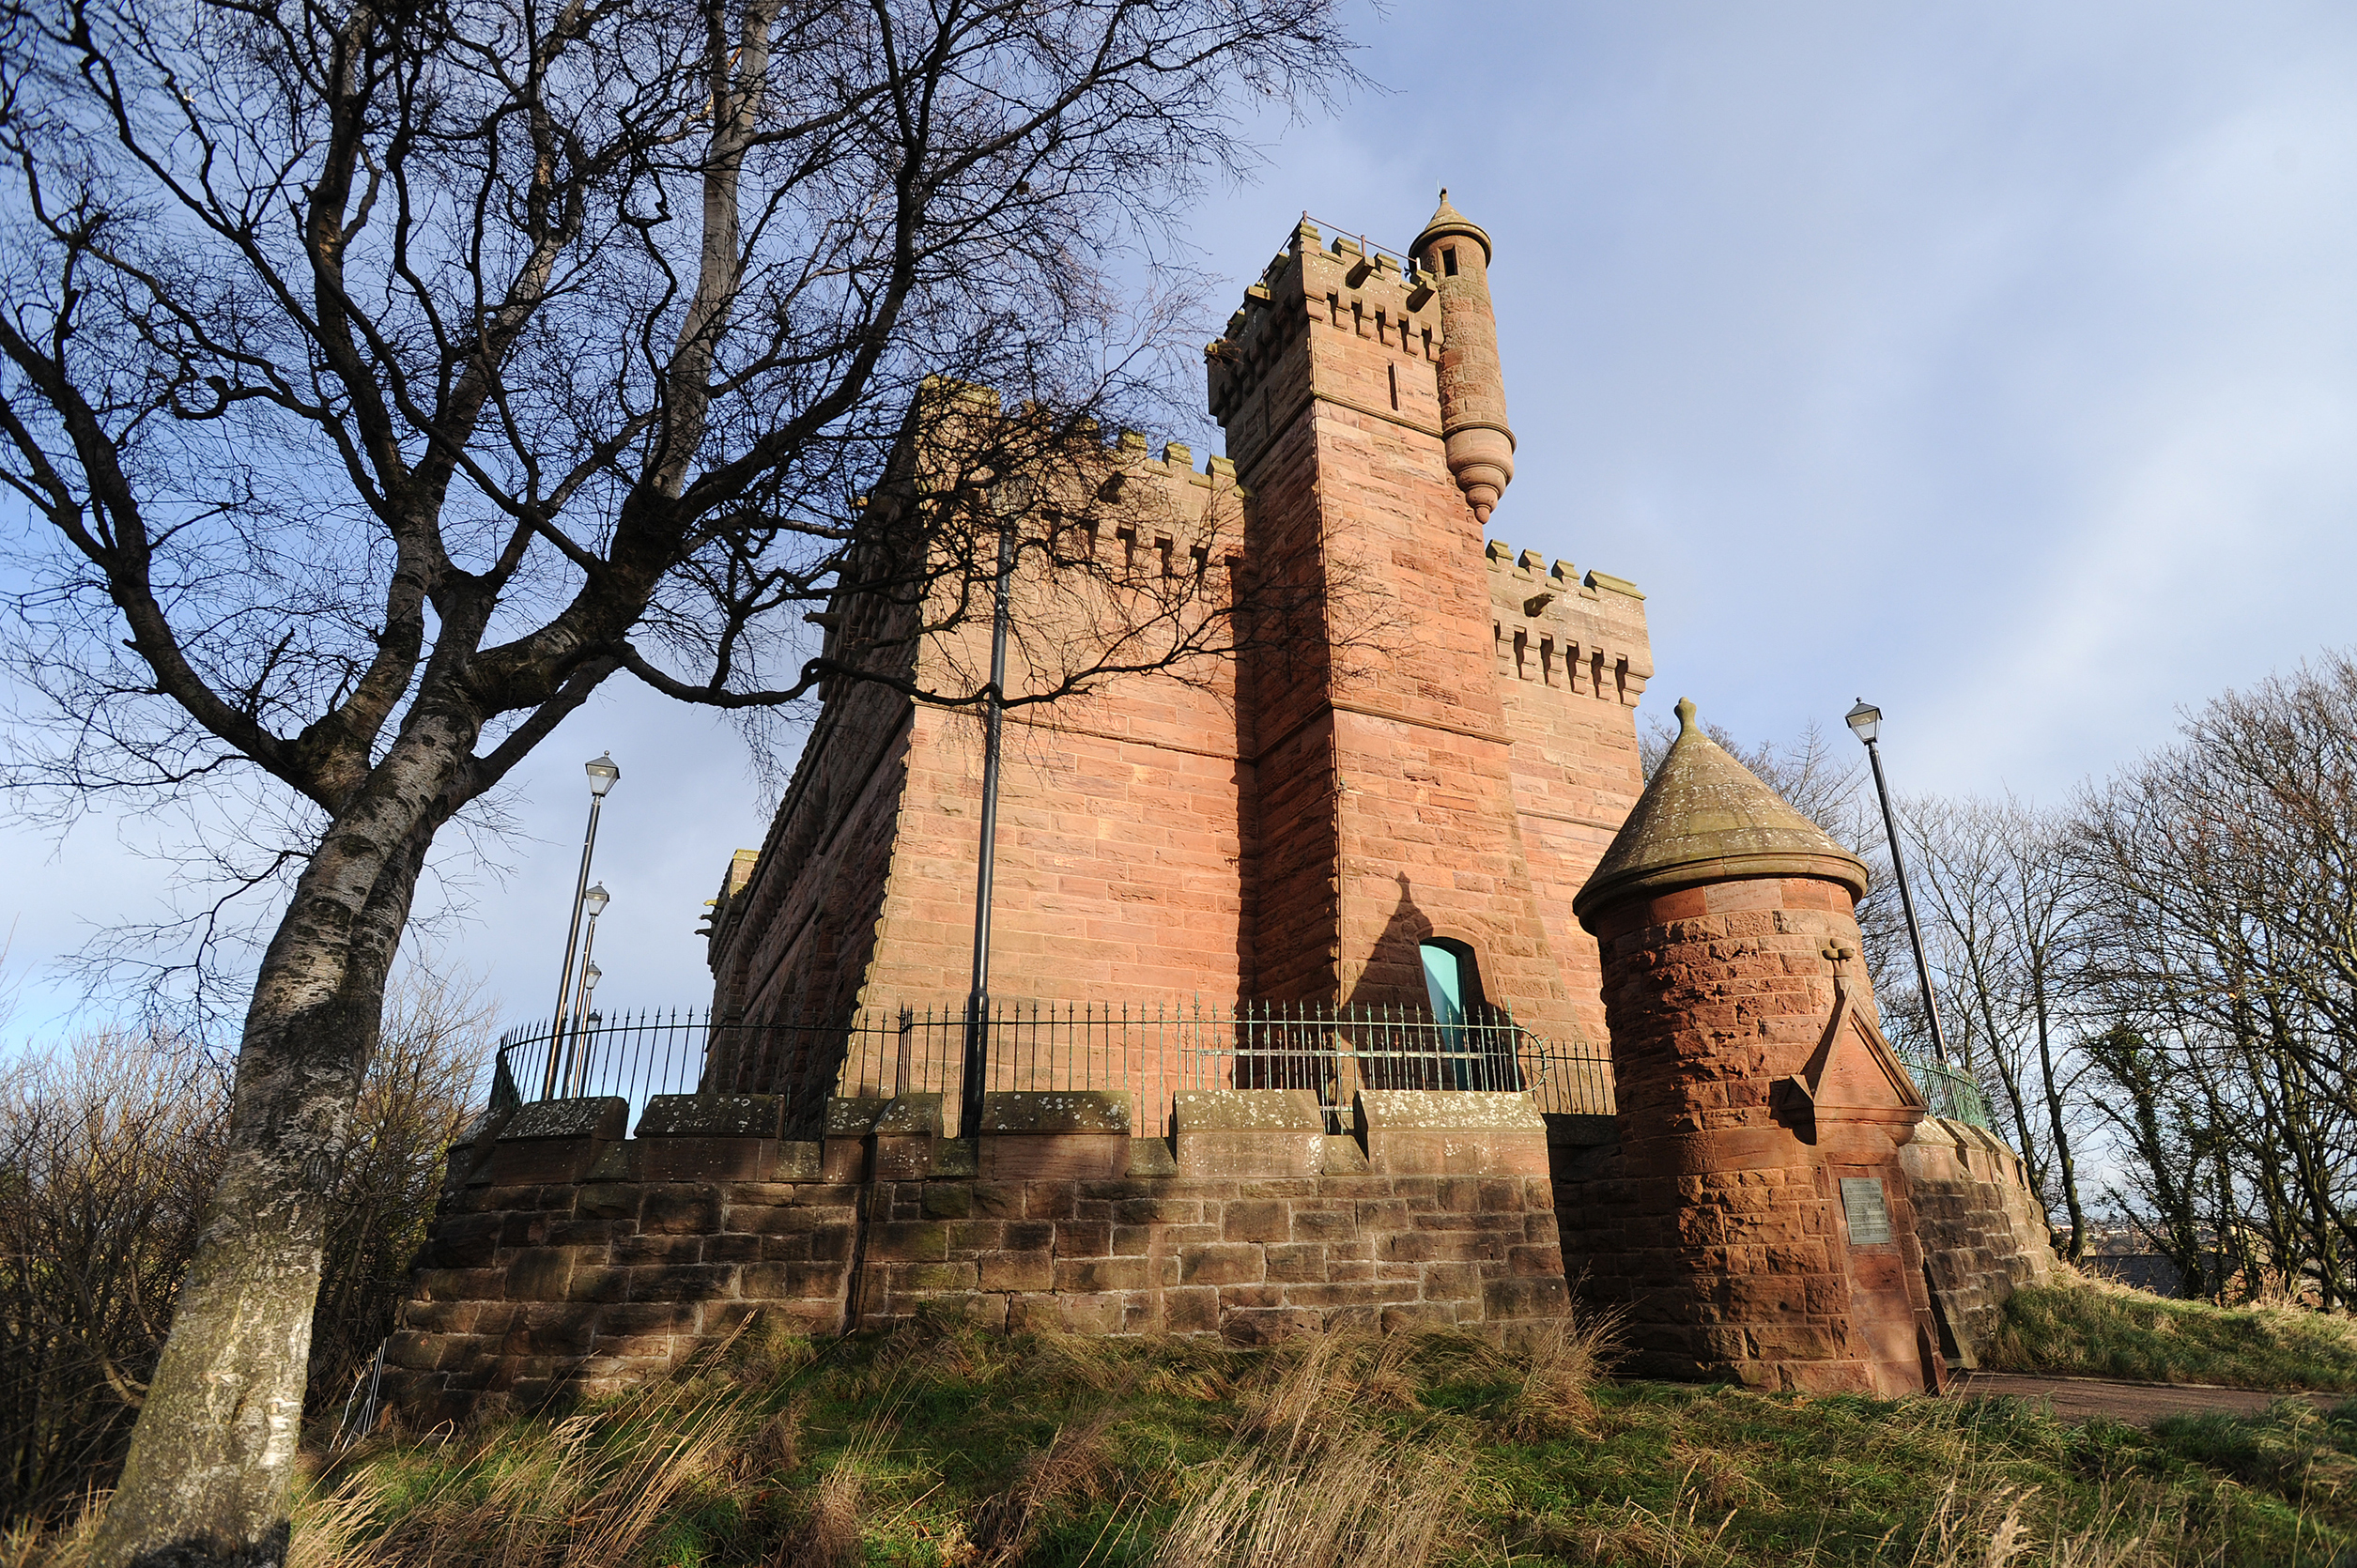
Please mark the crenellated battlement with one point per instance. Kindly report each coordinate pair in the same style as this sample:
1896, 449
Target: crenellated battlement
1556, 627
1258, 371
1119, 490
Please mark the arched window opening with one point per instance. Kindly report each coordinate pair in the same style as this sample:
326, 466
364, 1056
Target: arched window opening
1476, 1045
1450, 979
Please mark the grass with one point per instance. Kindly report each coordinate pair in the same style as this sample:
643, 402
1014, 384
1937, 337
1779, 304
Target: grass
2092, 1329
940, 1445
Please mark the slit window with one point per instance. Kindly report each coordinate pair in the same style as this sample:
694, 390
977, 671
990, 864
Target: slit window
1448, 260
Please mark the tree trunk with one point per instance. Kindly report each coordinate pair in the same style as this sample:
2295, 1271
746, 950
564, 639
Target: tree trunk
213, 1457
2065, 1166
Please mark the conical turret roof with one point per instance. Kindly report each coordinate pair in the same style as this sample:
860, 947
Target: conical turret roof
1706, 817
1447, 220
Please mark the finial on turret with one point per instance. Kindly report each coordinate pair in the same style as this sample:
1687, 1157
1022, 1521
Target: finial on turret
1446, 219
1686, 715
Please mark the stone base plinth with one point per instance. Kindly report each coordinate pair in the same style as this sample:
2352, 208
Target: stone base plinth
1055, 1219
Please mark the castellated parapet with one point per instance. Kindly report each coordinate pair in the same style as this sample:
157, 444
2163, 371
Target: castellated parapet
1553, 626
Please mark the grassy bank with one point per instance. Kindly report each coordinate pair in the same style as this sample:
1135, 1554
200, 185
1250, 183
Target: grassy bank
2090, 1328
939, 1446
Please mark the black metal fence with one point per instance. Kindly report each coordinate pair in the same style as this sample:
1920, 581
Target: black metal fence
1153, 1051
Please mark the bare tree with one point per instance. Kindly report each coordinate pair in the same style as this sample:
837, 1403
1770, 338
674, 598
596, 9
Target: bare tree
2002, 899
381, 380
2223, 884
109, 1145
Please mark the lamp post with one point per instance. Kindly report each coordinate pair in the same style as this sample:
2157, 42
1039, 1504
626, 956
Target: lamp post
583, 1018
1866, 721
1008, 499
593, 903
602, 774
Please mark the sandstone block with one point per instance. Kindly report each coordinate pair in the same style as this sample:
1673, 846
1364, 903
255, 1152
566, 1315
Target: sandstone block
1353, 1292
1221, 1263
598, 1118
1016, 1271
684, 1282
931, 1278
790, 1280
1190, 1311
682, 1210
1247, 1220
1093, 1274
908, 1241
1050, 1157
1257, 1326
1096, 1112
1524, 1298
1298, 1262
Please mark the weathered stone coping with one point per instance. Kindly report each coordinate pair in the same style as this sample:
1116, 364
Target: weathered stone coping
1026, 1136
710, 1115
597, 1116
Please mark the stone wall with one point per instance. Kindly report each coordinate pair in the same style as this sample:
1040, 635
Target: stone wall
1984, 1232
567, 1256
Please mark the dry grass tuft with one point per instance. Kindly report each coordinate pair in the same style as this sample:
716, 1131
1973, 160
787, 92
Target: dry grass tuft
1978, 1526
775, 1449
829, 1533
1077, 1466
1311, 1480
1720, 1479
1683, 1535
1330, 1500
1561, 1364
1313, 1378
1092, 1362
767, 1351
590, 1490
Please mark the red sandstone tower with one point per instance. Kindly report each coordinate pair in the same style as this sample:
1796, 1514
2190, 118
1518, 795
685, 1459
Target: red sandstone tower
1435, 767
1763, 1223
1366, 414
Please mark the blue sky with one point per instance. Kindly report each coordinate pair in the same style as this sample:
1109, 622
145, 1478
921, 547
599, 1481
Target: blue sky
1998, 364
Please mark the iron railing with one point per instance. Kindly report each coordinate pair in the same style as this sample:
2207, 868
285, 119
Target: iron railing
1153, 1051
1951, 1094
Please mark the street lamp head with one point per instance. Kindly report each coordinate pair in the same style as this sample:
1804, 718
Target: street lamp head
1011, 495
602, 774
1866, 720
596, 901
589, 976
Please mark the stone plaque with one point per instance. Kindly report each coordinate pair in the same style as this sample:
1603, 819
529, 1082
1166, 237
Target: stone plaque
1869, 1216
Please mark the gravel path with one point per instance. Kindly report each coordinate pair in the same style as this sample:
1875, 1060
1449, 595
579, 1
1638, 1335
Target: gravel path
2139, 1403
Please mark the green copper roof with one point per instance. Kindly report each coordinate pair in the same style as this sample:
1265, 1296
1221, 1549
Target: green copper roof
1706, 817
